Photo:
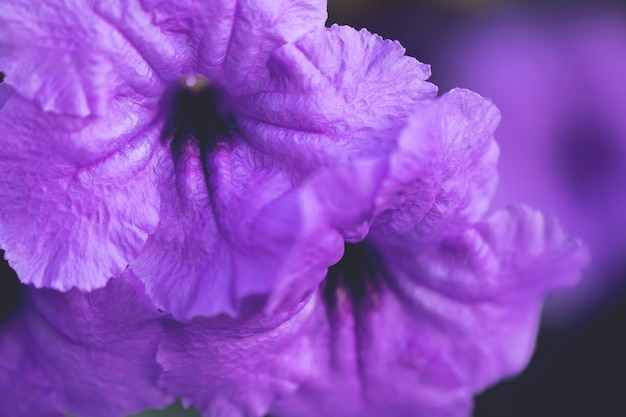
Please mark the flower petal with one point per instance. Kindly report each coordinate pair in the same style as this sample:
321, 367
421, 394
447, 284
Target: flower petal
444, 171
241, 368
335, 94
223, 39
443, 324
563, 137
81, 353
67, 59
70, 217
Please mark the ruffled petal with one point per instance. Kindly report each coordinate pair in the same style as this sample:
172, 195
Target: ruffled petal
69, 216
335, 94
67, 59
226, 40
168, 56
247, 232
86, 354
444, 172
234, 371
441, 323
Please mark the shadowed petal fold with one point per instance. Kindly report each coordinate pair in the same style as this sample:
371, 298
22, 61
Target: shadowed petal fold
80, 146
235, 369
228, 40
81, 353
335, 94
433, 325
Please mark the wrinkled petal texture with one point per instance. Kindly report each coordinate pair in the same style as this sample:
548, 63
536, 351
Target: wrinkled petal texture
75, 162
73, 56
447, 320
67, 59
82, 354
225, 40
237, 371
338, 94
444, 172
65, 226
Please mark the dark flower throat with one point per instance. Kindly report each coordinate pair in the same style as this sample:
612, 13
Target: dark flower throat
197, 111
358, 273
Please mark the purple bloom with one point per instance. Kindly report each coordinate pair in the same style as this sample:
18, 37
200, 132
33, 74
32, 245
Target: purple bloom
222, 157
98, 175
430, 308
558, 80
79, 353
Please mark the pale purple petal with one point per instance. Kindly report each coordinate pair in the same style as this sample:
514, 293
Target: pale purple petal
88, 205
81, 353
444, 172
76, 147
223, 39
438, 324
65, 221
67, 59
336, 94
229, 370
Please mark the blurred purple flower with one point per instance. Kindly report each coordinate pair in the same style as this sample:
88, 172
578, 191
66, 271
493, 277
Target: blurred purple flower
559, 81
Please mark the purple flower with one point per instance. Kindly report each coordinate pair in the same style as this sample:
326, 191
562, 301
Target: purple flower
78, 353
222, 157
431, 307
101, 171
558, 80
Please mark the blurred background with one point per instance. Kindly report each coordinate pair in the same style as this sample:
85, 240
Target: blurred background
557, 71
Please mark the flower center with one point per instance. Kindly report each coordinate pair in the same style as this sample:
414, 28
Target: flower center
11, 291
358, 274
196, 110
1, 76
